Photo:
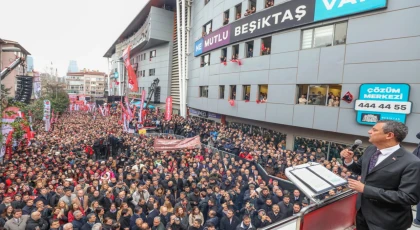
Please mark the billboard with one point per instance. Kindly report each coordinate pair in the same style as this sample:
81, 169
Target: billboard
282, 17
382, 102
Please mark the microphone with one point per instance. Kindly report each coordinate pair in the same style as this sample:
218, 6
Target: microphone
418, 135
357, 143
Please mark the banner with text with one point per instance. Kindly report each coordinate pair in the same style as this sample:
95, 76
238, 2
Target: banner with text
174, 144
281, 17
382, 102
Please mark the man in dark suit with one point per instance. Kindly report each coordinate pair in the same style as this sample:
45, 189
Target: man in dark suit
152, 214
389, 179
230, 221
416, 221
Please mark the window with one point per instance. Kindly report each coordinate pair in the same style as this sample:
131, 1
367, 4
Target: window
226, 17
204, 91
232, 93
151, 72
144, 56
205, 60
141, 57
266, 46
252, 7
249, 46
152, 54
144, 73
235, 52
221, 92
238, 10
262, 93
325, 36
223, 55
269, 3
246, 91
207, 28
328, 95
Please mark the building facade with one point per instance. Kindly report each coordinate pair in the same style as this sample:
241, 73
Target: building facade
6, 58
87, 83
307, 68
150, 36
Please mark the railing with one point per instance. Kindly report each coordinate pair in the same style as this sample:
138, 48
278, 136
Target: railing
337, 212
140, 36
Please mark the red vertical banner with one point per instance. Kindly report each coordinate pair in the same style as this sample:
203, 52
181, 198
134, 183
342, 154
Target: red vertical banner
132, 78
143, 97
168, 112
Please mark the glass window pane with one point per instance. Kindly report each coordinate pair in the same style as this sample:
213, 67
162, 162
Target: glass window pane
340, 33
323, 36
307, 39
317, 95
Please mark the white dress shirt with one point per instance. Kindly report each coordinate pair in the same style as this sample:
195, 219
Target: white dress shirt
384, 154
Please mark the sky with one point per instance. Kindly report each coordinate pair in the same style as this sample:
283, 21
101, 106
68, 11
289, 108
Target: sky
58, 31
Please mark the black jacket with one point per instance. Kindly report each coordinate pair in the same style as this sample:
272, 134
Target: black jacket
86, 226
124, 222
225, 223
286, 210
390, 189
31, 224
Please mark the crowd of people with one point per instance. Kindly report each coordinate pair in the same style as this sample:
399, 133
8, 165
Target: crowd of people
86, 173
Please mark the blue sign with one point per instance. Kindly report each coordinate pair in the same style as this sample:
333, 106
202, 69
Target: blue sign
116, 75
198, 47
383, 102
327, 9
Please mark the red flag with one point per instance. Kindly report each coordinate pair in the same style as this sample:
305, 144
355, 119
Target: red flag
231, 102
168, 112
348, 97
132, 78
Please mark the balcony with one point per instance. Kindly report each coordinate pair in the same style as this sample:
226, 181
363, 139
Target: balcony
140, 37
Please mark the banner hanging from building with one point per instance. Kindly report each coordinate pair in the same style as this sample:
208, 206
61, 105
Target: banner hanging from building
47, 114
132, 78
382, 102
174, 144
37, 89
282, 17
168, 112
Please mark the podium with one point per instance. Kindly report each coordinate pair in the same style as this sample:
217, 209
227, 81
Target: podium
337, 212
314, 180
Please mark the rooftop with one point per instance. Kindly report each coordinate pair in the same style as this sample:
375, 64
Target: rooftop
138, 22
86, 73
16, 44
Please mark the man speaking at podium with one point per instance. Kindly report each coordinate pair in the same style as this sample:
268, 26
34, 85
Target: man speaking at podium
390, 179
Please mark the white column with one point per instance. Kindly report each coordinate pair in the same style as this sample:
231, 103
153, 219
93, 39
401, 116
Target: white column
178, 25
183, 31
